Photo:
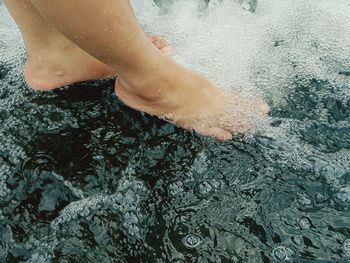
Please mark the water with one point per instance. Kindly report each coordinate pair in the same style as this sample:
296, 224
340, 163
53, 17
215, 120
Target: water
83, 178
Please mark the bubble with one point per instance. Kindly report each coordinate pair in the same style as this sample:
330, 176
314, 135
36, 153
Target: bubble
234, 259
248, 138
346, 248
249, 5
178, 260
131, 217
216, 184
304, 202
204, 189
176, 188
192, 241
298, 240
51, 119
342, 197
320, 198
201, 162
279, 253
304, 223
282, 253
133, 230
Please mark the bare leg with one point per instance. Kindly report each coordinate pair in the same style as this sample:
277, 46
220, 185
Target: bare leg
148, 80
52, 59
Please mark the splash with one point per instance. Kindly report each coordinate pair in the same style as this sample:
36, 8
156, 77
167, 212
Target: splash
283, 52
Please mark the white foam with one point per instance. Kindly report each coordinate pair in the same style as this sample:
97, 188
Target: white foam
262, 52
235, 48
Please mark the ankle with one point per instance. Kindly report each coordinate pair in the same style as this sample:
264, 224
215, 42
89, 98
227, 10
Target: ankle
166, 93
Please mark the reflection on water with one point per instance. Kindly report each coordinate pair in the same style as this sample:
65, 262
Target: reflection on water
83, 178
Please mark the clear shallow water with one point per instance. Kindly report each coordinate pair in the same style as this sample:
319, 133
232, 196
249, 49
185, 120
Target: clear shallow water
83, 178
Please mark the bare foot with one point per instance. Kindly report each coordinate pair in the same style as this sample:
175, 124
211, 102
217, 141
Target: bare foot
190, 101
50, 69
59, 65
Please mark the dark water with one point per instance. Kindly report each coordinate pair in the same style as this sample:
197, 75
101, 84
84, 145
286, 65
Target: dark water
85, 179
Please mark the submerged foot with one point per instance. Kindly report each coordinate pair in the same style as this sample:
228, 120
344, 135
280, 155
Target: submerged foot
60, 65
190, 101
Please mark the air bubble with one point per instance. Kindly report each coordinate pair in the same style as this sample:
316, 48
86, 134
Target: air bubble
246, 6
131, 218
249, 139
346, 248
192, 240
282, 253
204, 189
176, 188
304, 223
297, 240
234, 259
304, 202
342, 197
216, 184
133, 230
279, 253
201, 162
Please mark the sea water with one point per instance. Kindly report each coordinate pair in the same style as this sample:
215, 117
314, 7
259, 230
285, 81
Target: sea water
83, 178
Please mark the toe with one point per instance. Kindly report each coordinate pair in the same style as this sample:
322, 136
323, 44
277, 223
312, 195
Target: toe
168, 50
238, 128
264, 108
217, 133
261, 106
